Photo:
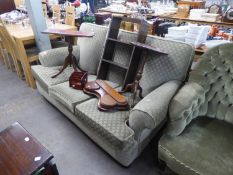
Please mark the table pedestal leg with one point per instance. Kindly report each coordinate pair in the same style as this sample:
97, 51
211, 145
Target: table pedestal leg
135, 86
69, 60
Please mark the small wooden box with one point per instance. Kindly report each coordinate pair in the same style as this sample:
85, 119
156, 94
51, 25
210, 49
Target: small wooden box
78, 80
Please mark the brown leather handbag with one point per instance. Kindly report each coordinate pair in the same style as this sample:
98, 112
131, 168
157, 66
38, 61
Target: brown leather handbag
109, 98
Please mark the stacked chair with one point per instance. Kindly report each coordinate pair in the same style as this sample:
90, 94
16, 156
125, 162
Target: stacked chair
44, 7
199, 135
70, 15
11, 54
57, 12
3, 54
69, 20
9, 50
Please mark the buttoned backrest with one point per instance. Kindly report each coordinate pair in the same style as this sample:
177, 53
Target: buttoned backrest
215, 75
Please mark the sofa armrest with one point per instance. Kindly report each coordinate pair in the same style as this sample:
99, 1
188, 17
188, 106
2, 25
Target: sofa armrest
152, 109
56, 57
185, 106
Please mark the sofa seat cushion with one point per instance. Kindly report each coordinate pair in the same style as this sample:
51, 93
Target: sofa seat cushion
205, 148
43, 75
111, 126
69, 96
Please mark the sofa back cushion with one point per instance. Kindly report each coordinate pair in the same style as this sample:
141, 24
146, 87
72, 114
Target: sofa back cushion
215, 75
158, 68
91, 48
162, 68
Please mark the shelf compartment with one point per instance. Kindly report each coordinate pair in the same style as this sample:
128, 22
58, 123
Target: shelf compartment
115, 64
120, 42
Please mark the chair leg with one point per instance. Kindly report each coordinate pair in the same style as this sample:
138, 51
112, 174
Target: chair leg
17, 67
26, 65
161, 165
20, 70
5, 58
2, 56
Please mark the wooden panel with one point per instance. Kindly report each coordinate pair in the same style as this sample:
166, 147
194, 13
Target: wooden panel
6, 6
20, 152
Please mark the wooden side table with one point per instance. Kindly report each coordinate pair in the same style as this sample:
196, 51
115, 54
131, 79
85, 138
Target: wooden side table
70, 59
135, 86
22, 154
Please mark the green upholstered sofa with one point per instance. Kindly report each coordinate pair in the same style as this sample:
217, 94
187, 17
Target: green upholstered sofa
122, 134
199, 138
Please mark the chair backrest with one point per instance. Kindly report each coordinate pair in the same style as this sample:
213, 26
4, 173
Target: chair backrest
18, 3
215, 75
70, 15
56, 12
44, 6
7, 40
10, 45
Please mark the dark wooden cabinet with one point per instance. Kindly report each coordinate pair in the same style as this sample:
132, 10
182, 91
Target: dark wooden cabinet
7, 6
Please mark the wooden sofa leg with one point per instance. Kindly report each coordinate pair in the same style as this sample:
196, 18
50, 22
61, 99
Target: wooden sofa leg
162, 166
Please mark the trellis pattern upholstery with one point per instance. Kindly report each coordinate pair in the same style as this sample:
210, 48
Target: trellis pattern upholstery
161, 68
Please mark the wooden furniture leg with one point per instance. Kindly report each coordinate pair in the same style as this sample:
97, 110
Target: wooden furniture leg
25, 63
70, 59
50, 169
135, 86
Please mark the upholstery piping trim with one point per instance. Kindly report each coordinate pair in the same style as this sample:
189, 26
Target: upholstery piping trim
178, 161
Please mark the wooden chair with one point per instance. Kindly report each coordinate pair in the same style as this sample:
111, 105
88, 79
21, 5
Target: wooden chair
18, 3
3, 54
44, 7
70, 15
9, 50
14, 51
56, 12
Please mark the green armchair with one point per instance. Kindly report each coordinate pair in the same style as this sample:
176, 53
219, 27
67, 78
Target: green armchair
199, 134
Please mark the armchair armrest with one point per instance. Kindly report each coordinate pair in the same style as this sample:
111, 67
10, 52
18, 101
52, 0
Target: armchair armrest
56, 57
186, 105
152, 109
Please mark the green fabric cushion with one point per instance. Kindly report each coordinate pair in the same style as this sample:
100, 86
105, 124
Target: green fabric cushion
91, 48
204, 147
56, 57
69, 96
43, 75
111, 126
